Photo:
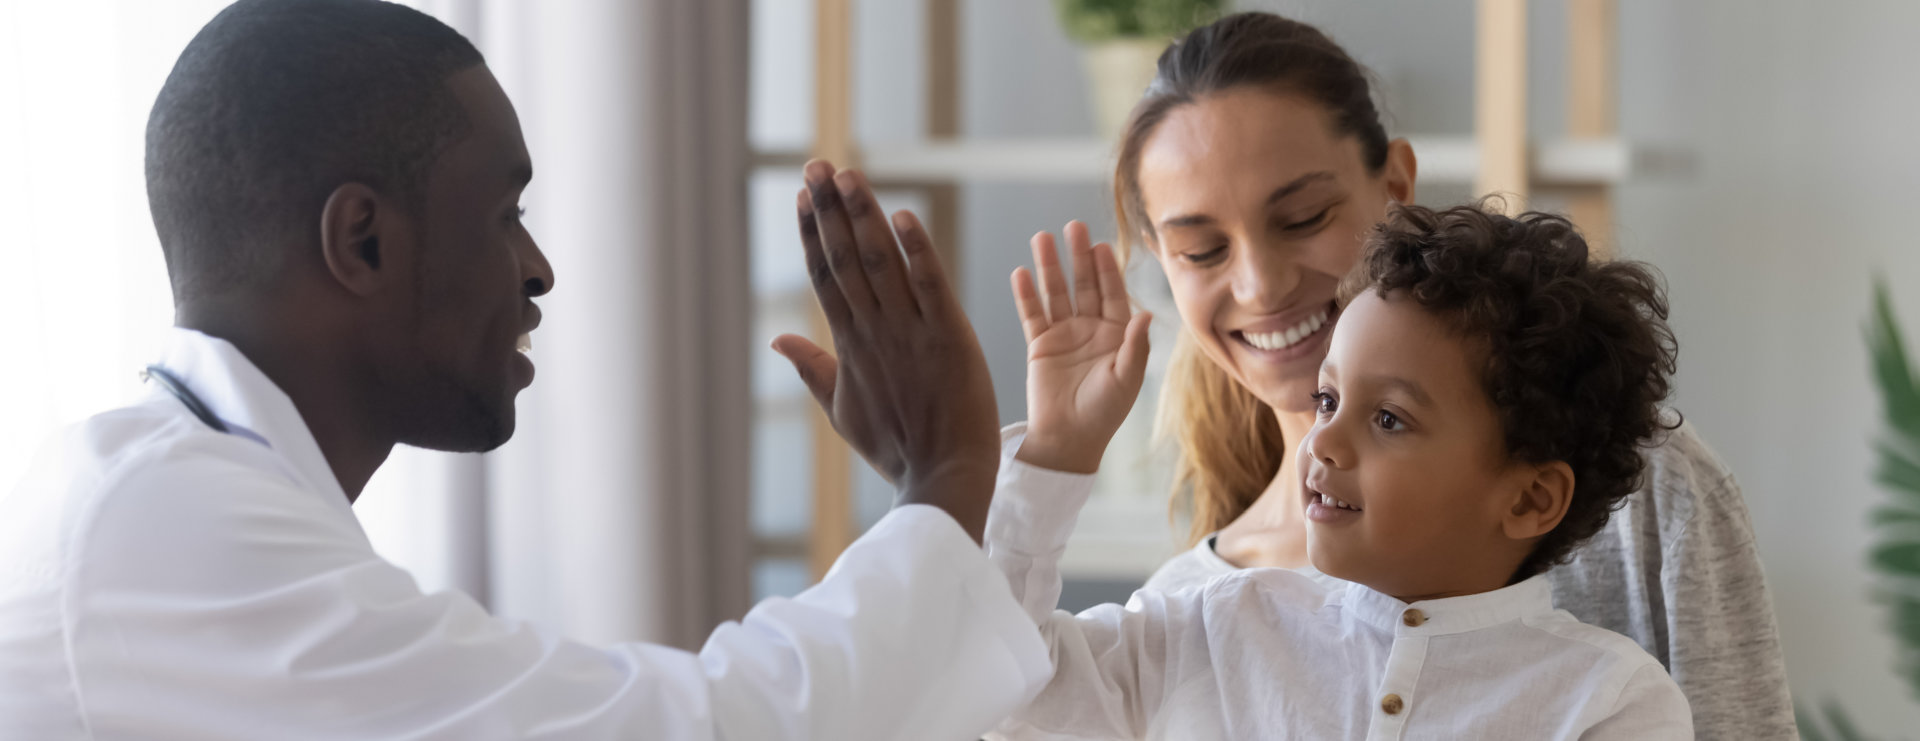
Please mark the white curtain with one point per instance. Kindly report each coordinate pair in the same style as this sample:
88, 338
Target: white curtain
618, 511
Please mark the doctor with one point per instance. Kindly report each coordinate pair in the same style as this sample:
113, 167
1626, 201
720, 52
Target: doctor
335, 185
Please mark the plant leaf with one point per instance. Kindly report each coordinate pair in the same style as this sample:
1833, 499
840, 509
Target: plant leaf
1895, 553
1809, 725
1843, 727
1890, 515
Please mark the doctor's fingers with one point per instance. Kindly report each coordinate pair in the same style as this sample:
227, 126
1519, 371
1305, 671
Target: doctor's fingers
837, 241
817, 368
926, 277
880, 261
833, 303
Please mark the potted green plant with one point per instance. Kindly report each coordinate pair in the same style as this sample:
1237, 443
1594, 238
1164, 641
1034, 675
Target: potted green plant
1894, 554
1121, 41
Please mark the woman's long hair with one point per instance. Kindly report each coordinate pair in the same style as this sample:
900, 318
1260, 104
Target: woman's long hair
1229, 442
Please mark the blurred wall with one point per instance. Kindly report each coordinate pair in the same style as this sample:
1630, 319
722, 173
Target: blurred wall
1796, 181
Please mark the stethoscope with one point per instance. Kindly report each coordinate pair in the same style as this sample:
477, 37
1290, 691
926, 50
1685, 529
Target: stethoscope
172, 385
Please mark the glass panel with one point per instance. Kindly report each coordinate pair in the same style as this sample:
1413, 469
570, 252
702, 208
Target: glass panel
782, 472
780, 82
779, 577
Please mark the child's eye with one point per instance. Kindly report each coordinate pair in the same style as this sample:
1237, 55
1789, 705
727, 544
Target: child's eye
1324, 403
1389, 422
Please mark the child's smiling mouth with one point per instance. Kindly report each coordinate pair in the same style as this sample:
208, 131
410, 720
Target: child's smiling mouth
1327, 508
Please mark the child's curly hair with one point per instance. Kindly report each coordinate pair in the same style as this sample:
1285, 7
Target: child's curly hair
1578, 352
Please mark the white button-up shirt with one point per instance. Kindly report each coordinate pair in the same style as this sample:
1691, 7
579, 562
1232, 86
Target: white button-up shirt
160, 580
1275, 654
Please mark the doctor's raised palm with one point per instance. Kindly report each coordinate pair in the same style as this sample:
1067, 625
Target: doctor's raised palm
1086, 353
909, 391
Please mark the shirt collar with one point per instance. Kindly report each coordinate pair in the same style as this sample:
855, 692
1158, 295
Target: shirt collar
1453, 614
237, 392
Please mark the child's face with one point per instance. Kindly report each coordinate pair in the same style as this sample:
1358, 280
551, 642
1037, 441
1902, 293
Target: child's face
1410, 444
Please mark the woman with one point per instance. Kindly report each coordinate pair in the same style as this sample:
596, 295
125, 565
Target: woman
1253, 170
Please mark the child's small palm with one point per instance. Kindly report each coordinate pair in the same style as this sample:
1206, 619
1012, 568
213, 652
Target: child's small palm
1072, 381
1086, 354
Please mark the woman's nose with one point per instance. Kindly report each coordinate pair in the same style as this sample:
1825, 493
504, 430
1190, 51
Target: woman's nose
1263, 279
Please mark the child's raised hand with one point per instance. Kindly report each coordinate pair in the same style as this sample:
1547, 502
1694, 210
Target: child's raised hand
1086, 354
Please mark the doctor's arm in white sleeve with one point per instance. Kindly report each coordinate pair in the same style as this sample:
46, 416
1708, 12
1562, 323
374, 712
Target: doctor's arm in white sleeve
302, 632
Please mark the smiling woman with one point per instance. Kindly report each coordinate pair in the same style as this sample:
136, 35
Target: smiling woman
1253, 171
1250, 171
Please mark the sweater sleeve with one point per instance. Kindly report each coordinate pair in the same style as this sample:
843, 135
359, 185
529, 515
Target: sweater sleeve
1723, 645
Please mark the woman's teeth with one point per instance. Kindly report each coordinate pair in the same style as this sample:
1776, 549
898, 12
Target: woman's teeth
1292, 336
524, 343
1331, 502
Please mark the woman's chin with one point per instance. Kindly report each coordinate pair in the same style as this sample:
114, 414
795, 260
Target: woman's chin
1289, 396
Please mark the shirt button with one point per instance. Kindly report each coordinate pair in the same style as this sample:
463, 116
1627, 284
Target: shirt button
1392, 704
1413, 618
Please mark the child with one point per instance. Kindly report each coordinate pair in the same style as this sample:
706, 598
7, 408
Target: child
1480, 411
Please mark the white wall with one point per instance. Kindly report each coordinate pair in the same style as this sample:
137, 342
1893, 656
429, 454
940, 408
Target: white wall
1800, 116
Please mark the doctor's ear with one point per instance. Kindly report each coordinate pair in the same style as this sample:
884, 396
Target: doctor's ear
351, 226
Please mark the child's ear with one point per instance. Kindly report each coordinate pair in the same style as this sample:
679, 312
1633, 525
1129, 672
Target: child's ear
1541, 503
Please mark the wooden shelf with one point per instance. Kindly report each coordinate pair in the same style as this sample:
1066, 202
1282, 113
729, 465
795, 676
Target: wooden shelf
1444, 160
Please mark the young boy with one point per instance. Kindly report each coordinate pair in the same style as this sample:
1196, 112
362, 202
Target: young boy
1480, 410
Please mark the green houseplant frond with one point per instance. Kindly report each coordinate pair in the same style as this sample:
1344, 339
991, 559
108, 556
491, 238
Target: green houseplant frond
1088, 21
1895, 552
1837, 726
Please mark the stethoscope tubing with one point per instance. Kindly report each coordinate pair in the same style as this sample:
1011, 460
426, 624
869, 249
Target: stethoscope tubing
172, 385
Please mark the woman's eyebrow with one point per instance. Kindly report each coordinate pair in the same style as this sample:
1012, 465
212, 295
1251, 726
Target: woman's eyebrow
1291, 187
1298, 184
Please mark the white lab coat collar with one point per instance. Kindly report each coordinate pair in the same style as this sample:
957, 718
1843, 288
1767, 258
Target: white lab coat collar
1530, 598
251, 405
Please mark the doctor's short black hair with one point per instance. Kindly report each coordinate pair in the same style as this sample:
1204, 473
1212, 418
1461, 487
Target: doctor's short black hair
273, 105
1578, 352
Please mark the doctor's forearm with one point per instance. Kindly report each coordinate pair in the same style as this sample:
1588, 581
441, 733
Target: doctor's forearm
964, 490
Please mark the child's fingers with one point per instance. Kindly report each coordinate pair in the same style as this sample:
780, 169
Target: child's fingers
1047, 259
1026, 300
1131, 364
1086, 287
1113, 285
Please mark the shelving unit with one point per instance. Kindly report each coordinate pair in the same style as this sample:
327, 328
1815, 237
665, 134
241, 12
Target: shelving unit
1499, 158
1599, 162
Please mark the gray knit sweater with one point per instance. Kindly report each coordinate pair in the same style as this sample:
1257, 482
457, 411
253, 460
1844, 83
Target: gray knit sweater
1675, 569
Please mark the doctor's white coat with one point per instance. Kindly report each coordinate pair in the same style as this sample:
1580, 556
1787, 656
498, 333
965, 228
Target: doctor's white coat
160, 580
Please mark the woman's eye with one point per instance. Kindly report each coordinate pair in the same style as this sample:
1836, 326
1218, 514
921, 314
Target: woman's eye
1202, 258
1389, 422
1324, 402
1317, 220
517, 213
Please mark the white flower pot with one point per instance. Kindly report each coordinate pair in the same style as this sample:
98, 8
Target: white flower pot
1118, 72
